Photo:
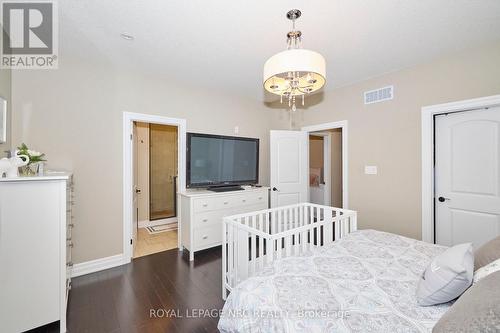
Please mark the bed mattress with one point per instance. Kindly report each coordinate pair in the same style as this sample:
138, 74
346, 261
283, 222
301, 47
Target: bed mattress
364, 282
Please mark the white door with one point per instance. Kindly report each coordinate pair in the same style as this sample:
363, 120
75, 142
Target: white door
467, 171
135, 190
289, 167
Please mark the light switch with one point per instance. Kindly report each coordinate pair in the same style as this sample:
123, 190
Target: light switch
236, 129
371, 170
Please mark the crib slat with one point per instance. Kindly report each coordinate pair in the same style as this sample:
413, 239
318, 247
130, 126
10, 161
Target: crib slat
226, 273
261, 241
316, 230
269, 243
253, 244
328, 228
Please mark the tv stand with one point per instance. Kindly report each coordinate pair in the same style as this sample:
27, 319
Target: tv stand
225, 188
201, 213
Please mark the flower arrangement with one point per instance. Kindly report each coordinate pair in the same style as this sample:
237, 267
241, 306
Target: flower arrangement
35, 159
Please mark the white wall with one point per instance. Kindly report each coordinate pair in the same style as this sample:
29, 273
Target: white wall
387, 134
74, 115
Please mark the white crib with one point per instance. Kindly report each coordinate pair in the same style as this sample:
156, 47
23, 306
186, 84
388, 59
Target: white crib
253, 240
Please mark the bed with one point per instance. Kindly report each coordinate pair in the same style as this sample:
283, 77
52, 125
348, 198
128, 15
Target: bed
361, 281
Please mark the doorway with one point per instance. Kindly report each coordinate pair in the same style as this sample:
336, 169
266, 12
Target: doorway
156, 173
289, 159
325, 167
328, 164
132, 191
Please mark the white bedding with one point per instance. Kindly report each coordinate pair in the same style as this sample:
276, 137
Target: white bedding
364, 282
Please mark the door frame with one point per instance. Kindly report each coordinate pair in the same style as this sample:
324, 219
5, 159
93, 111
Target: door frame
345, 163
327, 165
427, 136
128, 120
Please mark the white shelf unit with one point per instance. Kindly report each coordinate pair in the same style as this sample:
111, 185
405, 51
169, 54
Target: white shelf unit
202, 212
35, 250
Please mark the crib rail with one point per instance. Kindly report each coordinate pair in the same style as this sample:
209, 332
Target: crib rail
253, 240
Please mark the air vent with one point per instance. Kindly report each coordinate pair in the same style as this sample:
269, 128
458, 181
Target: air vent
379, 95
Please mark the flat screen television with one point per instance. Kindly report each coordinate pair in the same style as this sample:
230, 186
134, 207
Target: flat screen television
216, 160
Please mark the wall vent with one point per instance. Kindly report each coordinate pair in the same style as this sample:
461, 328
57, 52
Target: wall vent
379, 95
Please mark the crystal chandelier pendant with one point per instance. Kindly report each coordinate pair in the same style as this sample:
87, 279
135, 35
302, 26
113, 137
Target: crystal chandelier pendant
295, 71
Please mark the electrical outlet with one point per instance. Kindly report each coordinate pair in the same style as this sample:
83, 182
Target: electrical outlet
236, 129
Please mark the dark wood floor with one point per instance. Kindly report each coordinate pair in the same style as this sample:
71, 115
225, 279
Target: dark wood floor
120, 299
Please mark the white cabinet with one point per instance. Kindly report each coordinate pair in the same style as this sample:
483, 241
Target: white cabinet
201, 214
35, 251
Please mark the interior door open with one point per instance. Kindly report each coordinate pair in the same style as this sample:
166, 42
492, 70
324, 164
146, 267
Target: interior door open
467, 175
289, 167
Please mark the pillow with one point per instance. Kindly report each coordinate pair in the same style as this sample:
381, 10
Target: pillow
484, 271
447, 276
477, 310
487, 253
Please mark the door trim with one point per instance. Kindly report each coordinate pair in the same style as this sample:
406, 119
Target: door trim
427, 131
345, 163
327, 166
128, 120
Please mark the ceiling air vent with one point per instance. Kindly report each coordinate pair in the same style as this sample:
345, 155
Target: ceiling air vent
379, 95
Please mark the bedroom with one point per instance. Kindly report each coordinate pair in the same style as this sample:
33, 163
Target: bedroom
151, 59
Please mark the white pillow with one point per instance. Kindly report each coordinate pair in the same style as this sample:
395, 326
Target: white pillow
486, 270
447, 276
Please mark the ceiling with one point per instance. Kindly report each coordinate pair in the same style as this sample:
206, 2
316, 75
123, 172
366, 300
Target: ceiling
223, 44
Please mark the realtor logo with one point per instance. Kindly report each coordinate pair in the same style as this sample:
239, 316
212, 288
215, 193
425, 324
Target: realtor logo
29, 36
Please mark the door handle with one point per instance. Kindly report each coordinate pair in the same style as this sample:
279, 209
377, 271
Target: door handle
443, 199
137, 190
275, 189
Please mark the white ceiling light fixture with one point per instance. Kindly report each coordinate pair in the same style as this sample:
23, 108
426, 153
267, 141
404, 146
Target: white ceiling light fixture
295, 71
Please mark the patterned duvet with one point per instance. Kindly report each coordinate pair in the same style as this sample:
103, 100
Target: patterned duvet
364, 282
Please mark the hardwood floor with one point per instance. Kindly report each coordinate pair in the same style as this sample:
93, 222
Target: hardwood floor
120, 299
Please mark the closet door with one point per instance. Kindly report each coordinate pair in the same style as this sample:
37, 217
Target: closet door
467, 177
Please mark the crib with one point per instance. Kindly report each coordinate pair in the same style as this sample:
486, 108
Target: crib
251, 241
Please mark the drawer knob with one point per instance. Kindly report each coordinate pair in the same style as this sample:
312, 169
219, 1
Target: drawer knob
244, 200
205, 220
260, 198
205, 237
205, 205
225, 202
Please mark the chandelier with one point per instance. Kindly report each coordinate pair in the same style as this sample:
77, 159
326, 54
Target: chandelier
295, 71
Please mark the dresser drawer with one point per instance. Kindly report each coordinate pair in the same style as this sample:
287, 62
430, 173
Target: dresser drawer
204, 204
257, 198
208, 236
204, 219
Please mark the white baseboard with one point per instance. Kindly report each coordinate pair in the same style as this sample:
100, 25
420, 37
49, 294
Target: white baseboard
100, 264
145, 224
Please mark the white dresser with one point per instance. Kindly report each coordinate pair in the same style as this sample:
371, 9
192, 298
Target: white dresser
35, 251
201, 213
